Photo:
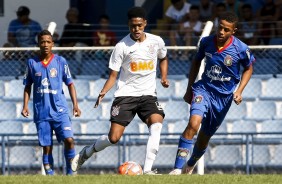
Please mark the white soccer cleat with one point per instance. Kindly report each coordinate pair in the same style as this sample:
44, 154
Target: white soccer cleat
154, 172
175, 172
79, 159
188, 169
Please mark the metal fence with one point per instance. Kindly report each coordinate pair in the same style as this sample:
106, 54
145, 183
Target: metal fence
249, 140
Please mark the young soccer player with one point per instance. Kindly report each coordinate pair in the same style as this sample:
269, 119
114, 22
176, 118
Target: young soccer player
211, 97
47, 72
135, 57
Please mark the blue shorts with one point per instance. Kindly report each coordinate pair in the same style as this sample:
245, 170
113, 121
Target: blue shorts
212, 106
62, 129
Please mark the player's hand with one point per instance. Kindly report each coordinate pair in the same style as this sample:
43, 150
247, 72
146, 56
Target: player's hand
99, 99
165, 83
188, 96
25, 112
237, 98
76, 112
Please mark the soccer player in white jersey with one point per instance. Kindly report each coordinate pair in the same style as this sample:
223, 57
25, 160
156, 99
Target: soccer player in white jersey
135, 57
47, 72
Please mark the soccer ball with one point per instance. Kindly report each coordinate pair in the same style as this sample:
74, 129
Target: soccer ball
130, 168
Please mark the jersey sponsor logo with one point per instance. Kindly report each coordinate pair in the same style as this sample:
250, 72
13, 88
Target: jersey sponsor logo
215, 74
53, 72
208, 54
198, 99
141, 66
45, 83
115, 110
228, 60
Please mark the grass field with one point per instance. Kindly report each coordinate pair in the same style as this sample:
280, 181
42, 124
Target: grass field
162, 179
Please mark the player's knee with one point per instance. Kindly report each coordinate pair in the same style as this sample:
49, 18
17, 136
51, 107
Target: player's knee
114, 139
69, 141
192, 128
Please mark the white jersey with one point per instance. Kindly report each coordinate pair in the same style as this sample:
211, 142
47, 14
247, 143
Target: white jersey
177, 15
137, 63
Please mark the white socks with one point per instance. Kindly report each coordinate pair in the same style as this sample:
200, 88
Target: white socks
152, 145
151, 149
100, 144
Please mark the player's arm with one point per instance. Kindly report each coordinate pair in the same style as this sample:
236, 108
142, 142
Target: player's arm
26, 95
107, 86
195, 67
72, 92
246, 75
164, 68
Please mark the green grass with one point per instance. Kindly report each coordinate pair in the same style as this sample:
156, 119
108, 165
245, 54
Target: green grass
145, 179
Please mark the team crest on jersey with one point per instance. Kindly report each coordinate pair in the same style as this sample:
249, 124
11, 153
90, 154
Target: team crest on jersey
53, 72
115, 110
198, 99
228, 60
151, 49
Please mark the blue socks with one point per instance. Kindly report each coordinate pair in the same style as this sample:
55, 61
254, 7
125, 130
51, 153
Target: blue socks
69, 154
184, 149
48, 163
196, 155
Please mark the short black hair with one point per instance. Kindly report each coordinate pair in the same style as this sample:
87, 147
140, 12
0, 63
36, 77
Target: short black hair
44, 32
194, 7
247, 6
220, 5
104, 16
174, 1
136, 12
23, 10
229, 17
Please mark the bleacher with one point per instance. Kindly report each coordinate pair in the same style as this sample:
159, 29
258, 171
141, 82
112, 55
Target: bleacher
249, 138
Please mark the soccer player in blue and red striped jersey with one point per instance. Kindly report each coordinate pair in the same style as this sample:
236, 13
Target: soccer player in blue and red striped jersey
47, 73
212, 95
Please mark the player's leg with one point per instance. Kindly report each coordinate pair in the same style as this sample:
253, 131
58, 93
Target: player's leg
121, 114
152, 114
154, 123
47, 160
69, 153
45, 132
213, 119
63, 131
185, 143
115, 133
198, 110
198, 151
